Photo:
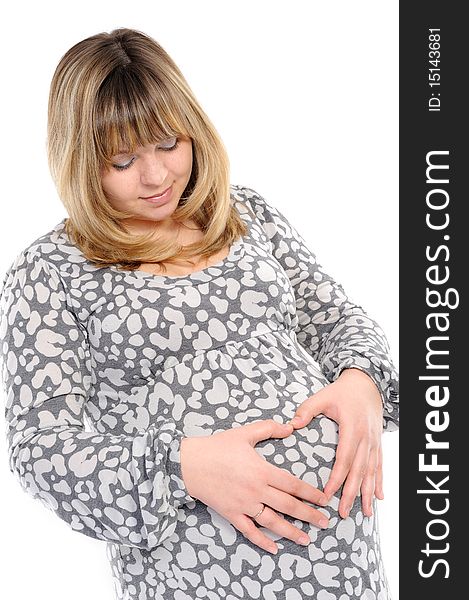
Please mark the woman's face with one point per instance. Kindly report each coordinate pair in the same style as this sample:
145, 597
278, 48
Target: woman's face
135, 177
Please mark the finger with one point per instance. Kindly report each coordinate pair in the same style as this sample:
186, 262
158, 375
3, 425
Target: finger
354, 480
345, 455
270, 519
264, 430
310, 408
284, 481
249, 529
368, 483
289, 505
379, 493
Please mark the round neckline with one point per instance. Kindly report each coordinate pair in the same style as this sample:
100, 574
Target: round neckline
226, 264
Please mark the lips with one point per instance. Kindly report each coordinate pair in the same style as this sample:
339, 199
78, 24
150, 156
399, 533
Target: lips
155, 196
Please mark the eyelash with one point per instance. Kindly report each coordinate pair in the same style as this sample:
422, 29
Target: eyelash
123, 167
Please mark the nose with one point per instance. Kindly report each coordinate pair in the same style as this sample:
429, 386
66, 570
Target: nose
153, 171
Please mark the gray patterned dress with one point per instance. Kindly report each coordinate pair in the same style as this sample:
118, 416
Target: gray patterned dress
105, 371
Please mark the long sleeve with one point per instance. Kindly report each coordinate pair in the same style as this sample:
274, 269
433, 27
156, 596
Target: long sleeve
337, 333
119, 488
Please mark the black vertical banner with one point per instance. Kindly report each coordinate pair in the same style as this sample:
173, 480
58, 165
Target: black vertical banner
434, 235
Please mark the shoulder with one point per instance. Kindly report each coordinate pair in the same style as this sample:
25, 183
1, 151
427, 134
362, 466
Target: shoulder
243, 193
52, 252
250, 199
259, 208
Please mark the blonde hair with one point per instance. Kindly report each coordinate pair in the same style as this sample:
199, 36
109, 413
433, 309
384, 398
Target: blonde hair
121, 89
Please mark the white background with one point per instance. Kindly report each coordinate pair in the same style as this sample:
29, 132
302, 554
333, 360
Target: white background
305, 97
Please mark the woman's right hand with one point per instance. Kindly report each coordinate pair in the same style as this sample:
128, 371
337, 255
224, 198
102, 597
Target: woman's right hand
225, 472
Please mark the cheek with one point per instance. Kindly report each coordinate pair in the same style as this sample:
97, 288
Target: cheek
107, 184
182, 163
116, 186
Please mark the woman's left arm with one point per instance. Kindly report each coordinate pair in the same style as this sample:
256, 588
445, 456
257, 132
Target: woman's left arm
354, 355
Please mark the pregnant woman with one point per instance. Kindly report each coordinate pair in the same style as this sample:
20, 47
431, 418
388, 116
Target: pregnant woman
156, 343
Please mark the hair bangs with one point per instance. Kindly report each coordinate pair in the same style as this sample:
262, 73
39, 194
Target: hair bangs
133, 111
114, 92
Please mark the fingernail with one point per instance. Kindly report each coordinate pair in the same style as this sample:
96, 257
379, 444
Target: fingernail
303, 540
323, 523
295, 421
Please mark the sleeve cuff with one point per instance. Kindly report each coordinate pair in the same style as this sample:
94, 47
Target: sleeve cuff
176, 484
385, 379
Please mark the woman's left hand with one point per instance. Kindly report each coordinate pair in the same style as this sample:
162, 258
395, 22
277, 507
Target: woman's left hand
354, 403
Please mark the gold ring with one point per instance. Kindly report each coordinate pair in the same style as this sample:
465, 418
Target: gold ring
255, 516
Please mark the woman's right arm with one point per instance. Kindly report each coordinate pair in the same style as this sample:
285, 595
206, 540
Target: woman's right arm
120, 488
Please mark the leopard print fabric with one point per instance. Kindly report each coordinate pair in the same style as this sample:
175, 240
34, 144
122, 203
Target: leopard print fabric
104, 371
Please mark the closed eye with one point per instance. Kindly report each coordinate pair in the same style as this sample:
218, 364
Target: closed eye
174, 145
123, 167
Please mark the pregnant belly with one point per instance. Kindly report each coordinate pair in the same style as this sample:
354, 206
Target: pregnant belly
265, 377
248, 382
231, 387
